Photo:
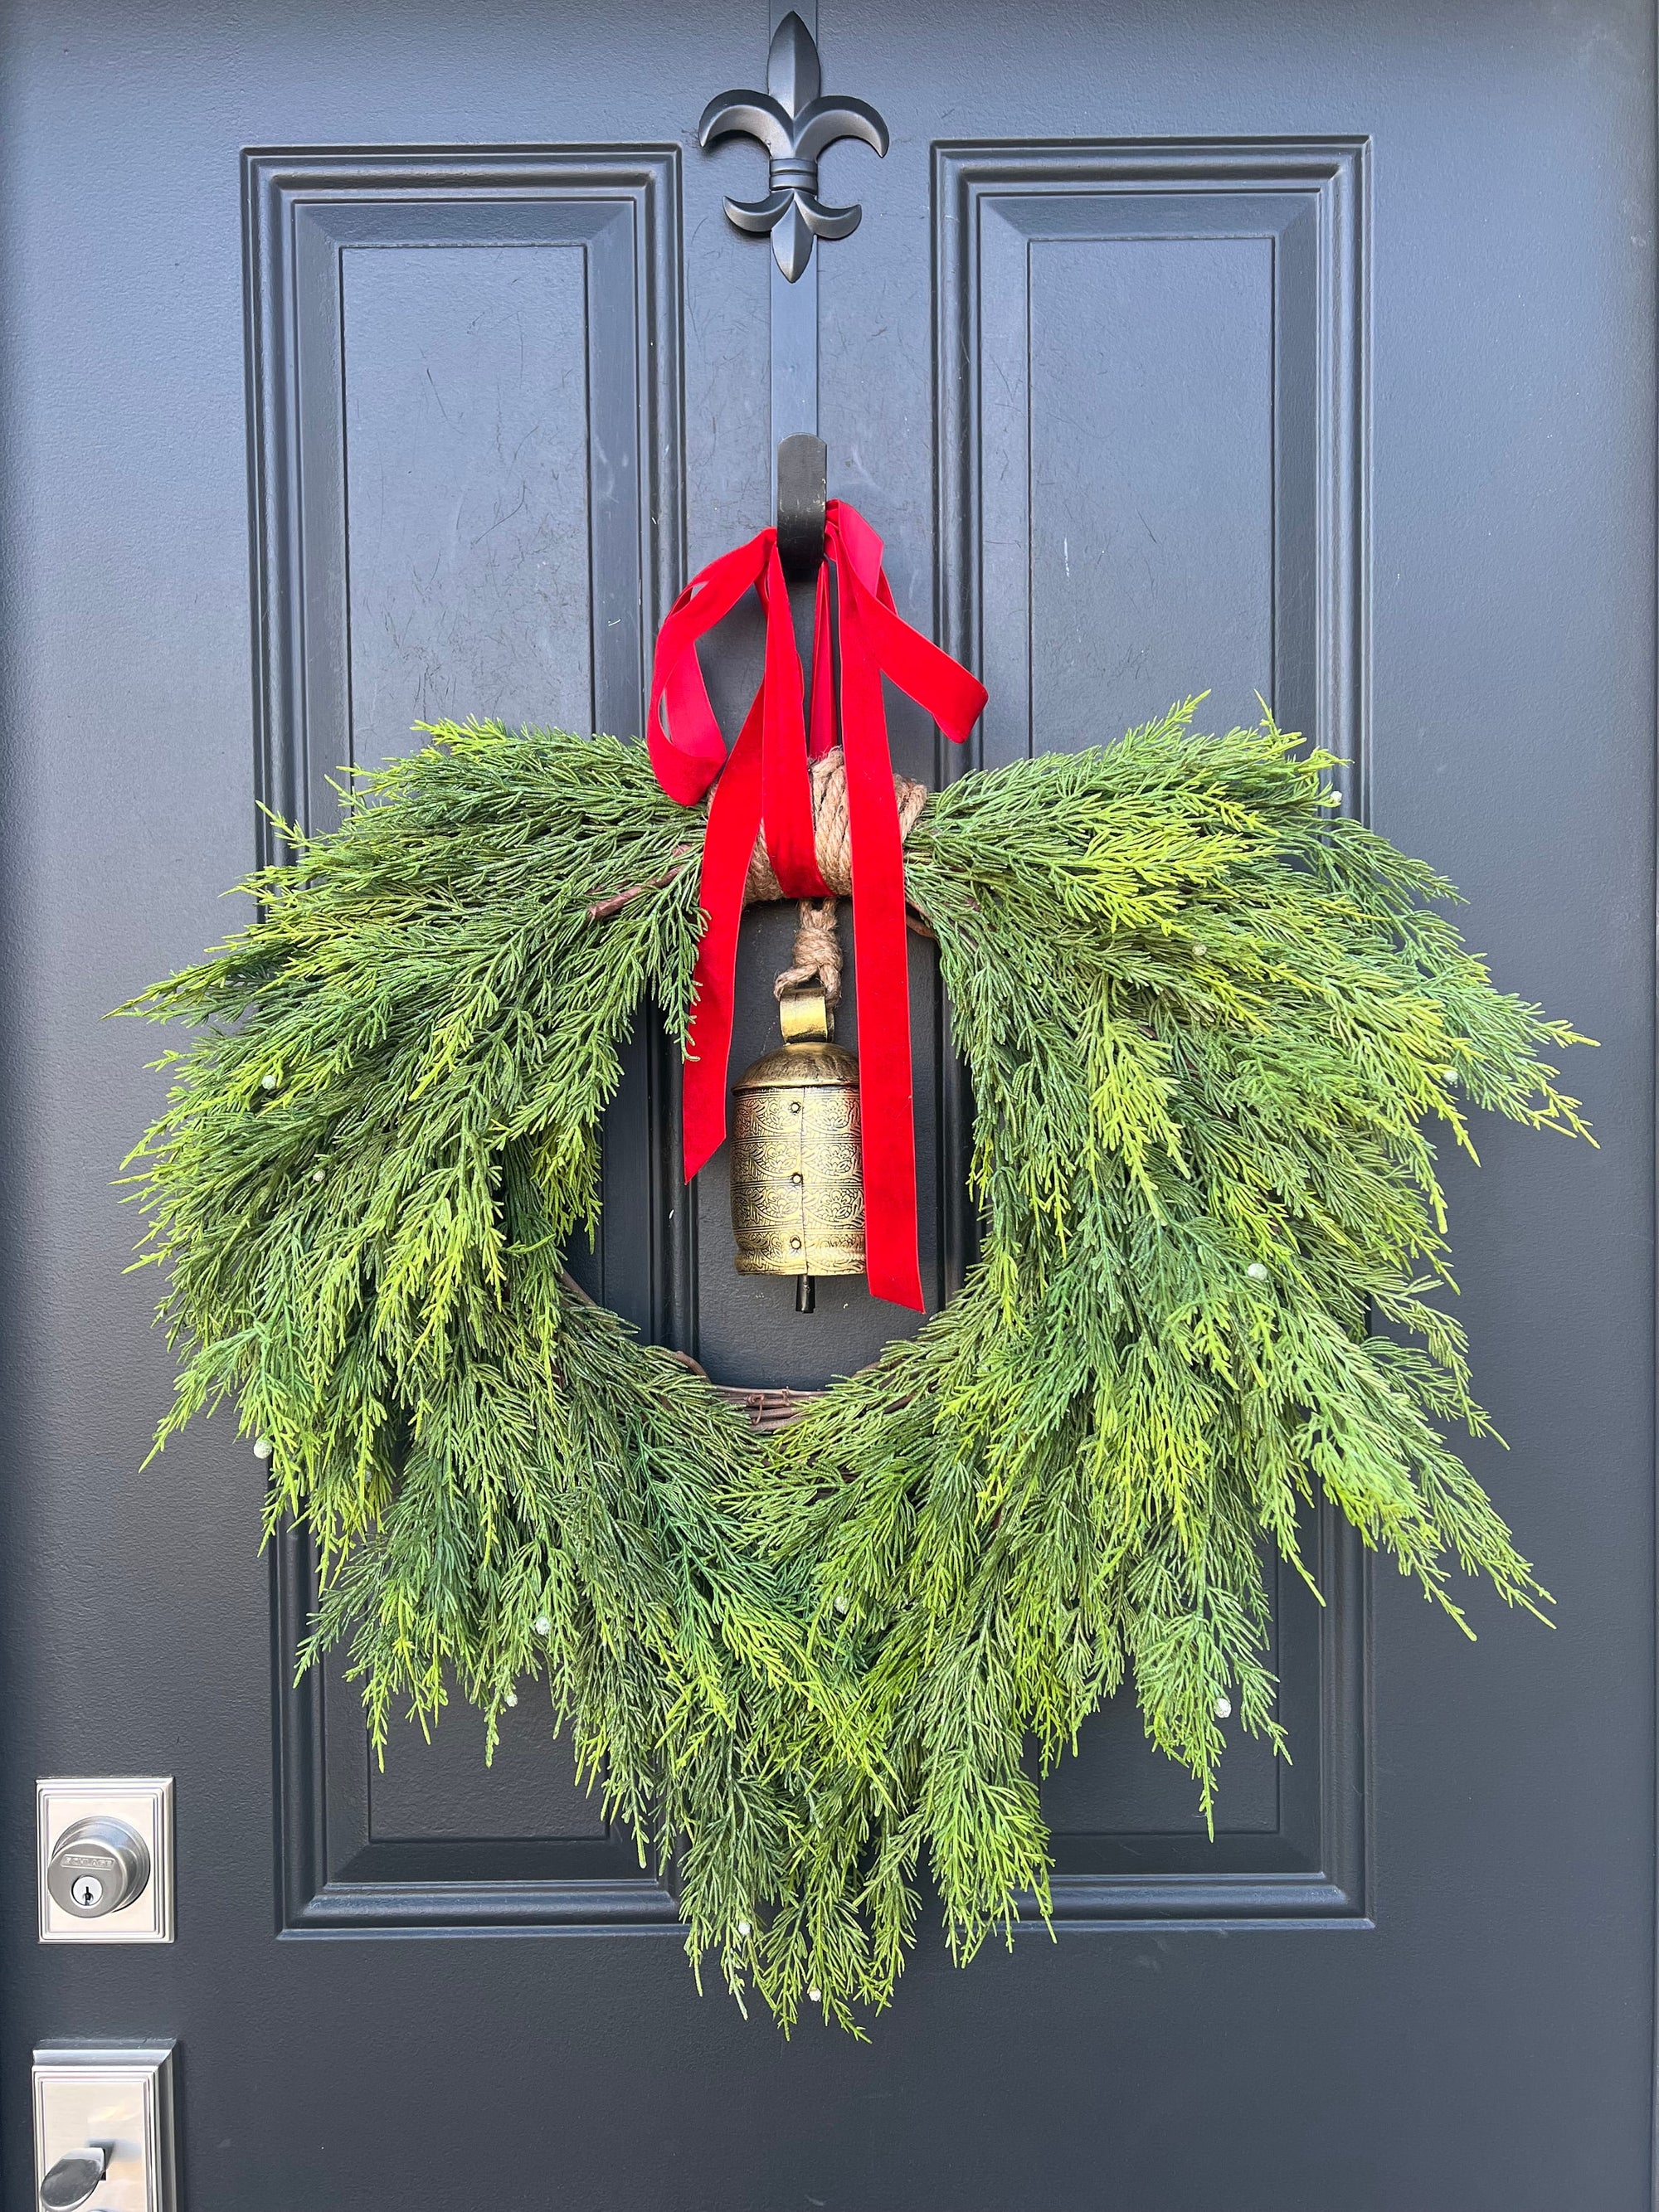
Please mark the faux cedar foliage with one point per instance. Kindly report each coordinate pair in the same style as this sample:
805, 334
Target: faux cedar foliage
1209, 1025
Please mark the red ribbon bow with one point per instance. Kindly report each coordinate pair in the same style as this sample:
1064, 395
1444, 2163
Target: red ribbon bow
763, 787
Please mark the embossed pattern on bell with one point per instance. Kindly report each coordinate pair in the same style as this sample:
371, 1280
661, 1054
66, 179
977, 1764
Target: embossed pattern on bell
796, 1180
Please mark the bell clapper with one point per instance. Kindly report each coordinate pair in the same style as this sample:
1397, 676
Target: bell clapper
806, 1297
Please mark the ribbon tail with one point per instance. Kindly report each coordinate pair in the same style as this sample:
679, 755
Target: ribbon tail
786, 786
734, 815
881, 965
687, 753
940, 686
821, 733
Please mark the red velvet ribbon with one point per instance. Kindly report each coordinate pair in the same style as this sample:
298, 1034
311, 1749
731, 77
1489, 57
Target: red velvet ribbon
764, 789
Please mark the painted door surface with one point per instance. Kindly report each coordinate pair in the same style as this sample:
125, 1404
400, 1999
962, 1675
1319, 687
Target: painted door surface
366, 362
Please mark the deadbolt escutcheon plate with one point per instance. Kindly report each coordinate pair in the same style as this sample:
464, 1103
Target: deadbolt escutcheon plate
105, 1859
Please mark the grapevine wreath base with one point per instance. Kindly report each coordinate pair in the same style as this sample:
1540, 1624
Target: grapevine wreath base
1206, 1021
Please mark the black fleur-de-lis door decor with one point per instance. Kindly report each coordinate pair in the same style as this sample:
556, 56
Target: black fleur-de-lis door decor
794, 122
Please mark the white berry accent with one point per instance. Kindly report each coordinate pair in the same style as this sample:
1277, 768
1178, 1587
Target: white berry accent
1256, 1271
1223, 1707
262, 1448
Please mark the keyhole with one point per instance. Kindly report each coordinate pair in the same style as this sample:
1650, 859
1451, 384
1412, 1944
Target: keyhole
87, 1891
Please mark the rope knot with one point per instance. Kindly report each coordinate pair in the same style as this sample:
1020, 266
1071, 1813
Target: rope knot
817, 956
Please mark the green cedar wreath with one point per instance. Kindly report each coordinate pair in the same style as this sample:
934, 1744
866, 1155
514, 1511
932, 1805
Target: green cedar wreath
1208, 1022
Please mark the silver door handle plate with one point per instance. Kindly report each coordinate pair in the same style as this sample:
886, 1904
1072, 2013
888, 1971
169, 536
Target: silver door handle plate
103, 2128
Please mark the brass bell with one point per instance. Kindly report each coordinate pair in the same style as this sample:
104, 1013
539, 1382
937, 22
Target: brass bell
797, 1182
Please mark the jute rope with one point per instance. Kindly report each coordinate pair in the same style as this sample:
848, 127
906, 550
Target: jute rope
817, 956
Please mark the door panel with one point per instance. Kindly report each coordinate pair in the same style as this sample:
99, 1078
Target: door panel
1280, 349
1113, 519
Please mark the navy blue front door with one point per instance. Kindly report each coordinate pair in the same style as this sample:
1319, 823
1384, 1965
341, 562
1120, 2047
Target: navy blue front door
1304, 351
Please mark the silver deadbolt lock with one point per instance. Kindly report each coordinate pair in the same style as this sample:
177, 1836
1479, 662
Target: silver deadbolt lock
97, 1866
104, 1860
